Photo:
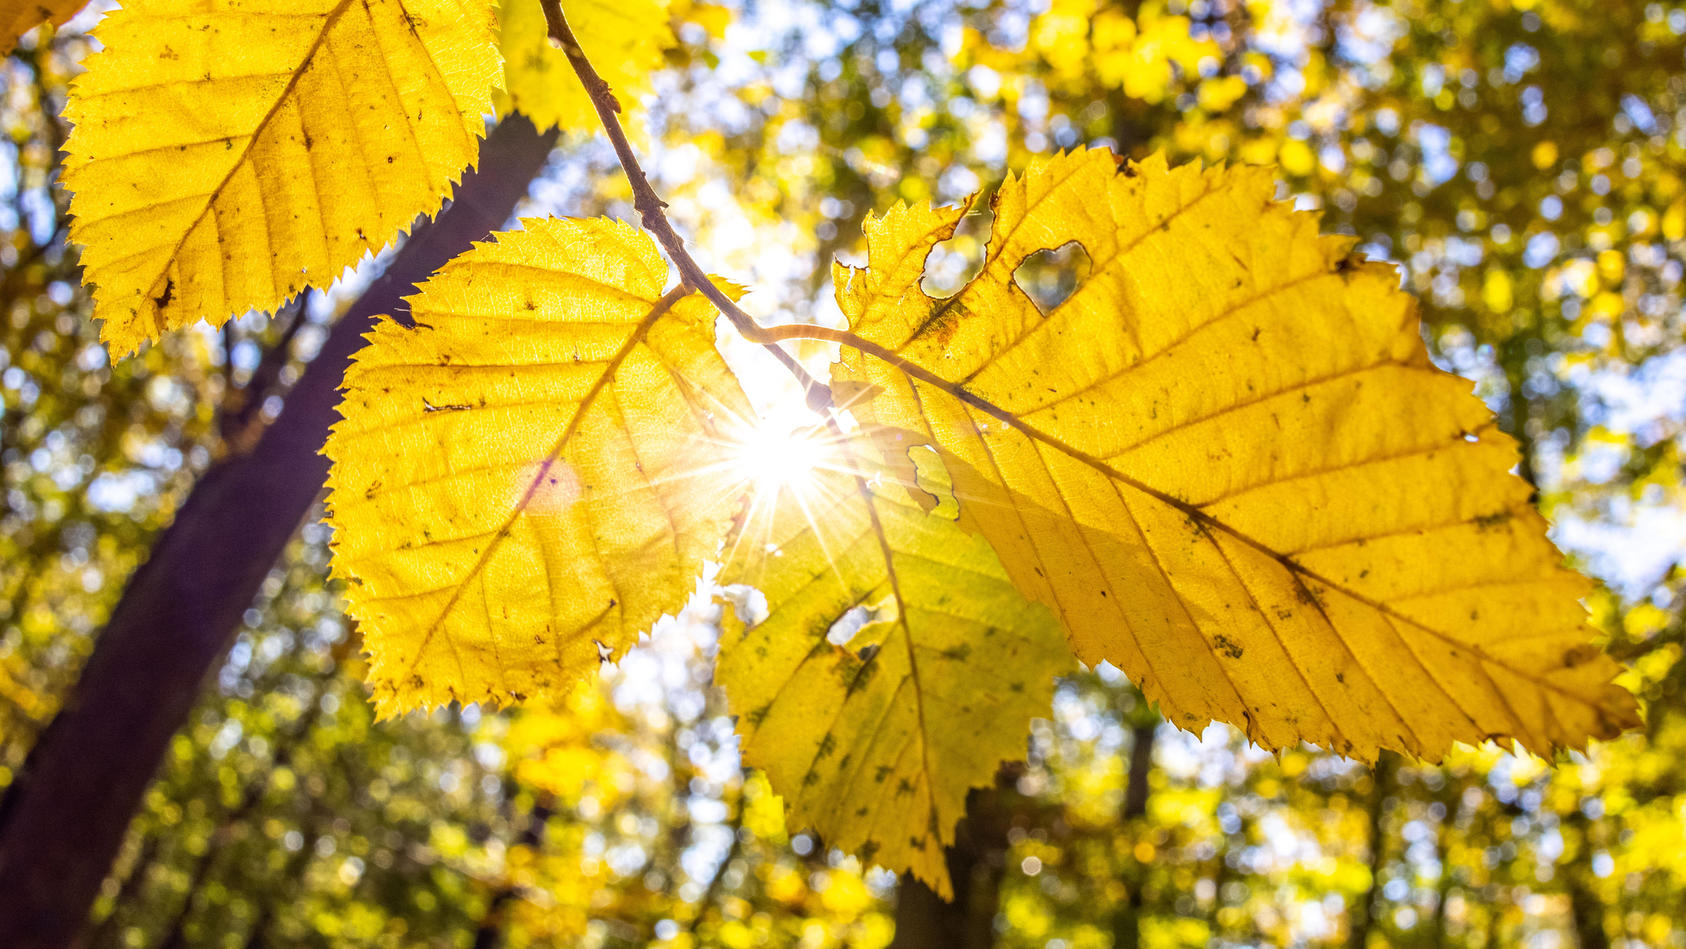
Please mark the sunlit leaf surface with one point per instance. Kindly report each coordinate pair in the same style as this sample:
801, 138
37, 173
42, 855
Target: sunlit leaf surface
517, 486
228, 154
1227, 462
623, 38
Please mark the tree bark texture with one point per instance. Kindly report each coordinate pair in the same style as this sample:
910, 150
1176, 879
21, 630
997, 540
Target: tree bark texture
65, 816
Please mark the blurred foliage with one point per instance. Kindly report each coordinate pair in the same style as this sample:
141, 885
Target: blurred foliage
1523, 160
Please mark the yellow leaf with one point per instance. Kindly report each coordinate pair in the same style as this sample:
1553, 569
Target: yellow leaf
1219, 93
18, 17
846, 895
1605, 306
1674, 220
1497, 291
624, 40
1062, 35
1297, 158
763, 810
227, 154
1227, 462
712, 17
1611, 266
874, 743
515, 486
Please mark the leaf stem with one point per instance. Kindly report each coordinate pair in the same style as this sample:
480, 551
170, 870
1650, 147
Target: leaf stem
650, 207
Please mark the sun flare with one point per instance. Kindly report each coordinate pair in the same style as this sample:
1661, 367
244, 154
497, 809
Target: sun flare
774, 455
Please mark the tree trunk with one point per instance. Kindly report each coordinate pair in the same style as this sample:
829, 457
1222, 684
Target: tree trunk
63, 819
1368, 906
1586, 909
975, 867
1127, 915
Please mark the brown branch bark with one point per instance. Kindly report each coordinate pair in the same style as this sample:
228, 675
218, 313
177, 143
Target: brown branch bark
63, 819
650, 206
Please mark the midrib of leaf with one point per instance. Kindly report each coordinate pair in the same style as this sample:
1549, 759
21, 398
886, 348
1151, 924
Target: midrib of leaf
328, 22
1194, 512
907, 642
1264, 615
659, 309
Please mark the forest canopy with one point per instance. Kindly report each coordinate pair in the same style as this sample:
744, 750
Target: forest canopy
661, 473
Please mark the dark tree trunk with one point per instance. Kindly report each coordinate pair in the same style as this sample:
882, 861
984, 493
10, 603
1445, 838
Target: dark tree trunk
1127, 915
63, 819
1586, 909
975, 866
924, 921
1369, 905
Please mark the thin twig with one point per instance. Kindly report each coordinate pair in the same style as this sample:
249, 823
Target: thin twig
650, 206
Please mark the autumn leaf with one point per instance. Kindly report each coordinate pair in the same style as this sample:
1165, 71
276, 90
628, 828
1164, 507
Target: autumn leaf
516, 488
225, 155
875, 742
18, 17
624, 38
1228, 463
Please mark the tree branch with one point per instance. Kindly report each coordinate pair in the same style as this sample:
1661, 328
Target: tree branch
650, 207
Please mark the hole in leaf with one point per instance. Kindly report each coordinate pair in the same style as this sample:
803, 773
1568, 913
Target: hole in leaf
848, 625
747, 602
953, 263
931, 476
1050, 277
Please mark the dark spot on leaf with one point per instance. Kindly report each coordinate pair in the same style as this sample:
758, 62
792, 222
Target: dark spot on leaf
1227, 646
1487, 522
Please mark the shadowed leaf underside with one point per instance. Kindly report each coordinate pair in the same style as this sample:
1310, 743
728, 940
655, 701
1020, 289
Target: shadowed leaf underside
874, 742
18, 17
